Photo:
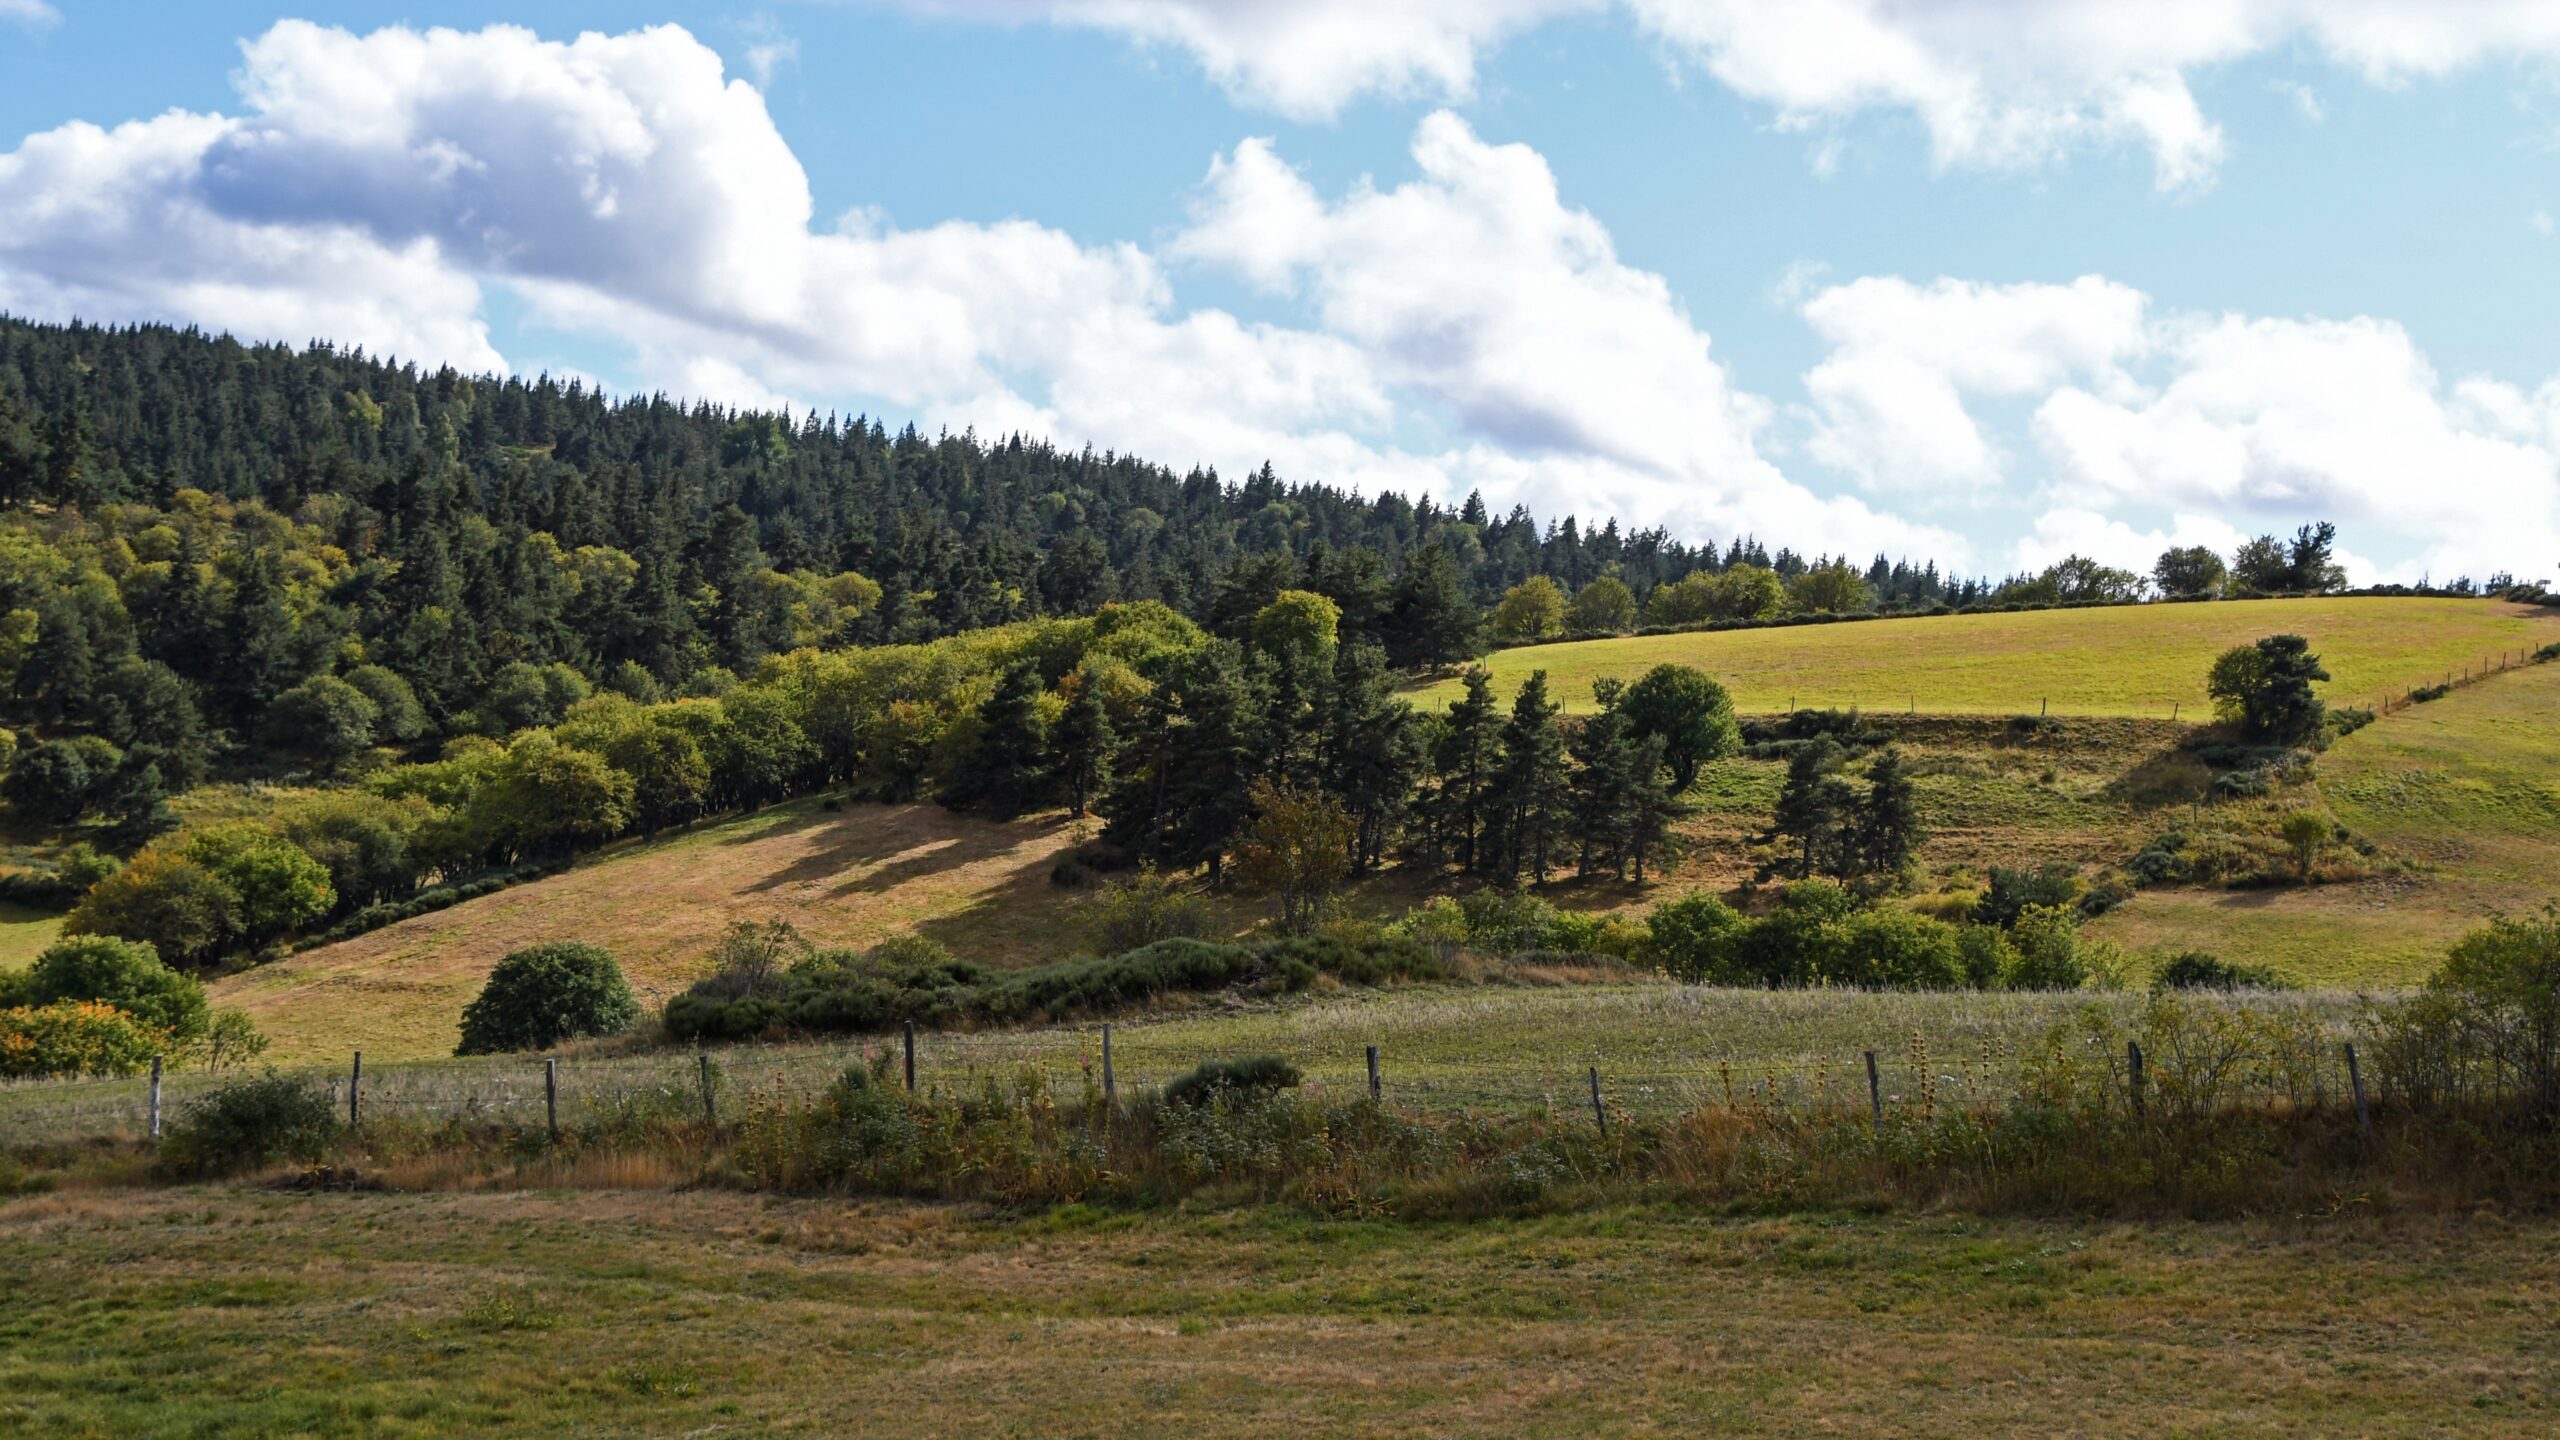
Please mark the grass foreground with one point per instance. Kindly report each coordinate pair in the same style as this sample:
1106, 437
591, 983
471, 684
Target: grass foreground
231, 1312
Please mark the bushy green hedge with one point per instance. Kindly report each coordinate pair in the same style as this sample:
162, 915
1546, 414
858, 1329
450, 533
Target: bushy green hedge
545, 994
843, 992
1819, 934
248, 1124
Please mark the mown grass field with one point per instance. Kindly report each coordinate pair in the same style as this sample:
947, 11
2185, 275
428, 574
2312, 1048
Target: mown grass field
2125, 660
233, 1312
2464, 791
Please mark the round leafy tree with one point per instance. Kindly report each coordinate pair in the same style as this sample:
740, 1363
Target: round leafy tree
546, 994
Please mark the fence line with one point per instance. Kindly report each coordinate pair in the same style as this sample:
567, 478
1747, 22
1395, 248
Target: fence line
531, 1091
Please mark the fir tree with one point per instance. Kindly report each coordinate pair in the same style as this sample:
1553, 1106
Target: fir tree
1465, 763
1430, 621
1080, 746
1533, 794
1888, 823
1008, 768
1373, 751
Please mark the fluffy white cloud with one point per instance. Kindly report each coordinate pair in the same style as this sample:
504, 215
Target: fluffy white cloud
2140, 419
1891, 395
111, 225
1994, 82
31, 13
2344, 420
1467, 328
1303, 58
1574, 381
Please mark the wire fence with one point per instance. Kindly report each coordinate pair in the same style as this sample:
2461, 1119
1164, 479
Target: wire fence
1743, 1053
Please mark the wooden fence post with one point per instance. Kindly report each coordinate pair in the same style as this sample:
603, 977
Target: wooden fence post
1597, 1112
710, 1106
2355, 1081
355, 1091
2044, 707
910, 1032
1108, 1090
155, 1097
1373, 1074
551, 1097
2133, 1066
1875, 1090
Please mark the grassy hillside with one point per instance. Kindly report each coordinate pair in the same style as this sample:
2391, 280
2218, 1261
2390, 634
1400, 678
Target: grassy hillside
850, 877
2465, 791
641, 1313
2128, 660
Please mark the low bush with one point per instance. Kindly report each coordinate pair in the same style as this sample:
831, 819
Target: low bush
2425, 694
124, 974
1143, 909
246, 1125
2012, 893
1251, 1077
546, 994
838, 992
73, 1038
2196, 970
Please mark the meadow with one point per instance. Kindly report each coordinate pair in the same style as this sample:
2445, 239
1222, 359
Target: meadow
2462, 794
2141, 660
233, 1312
1524, 1047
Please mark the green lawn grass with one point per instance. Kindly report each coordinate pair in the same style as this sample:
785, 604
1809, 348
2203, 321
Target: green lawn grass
2123, 660
236, 1313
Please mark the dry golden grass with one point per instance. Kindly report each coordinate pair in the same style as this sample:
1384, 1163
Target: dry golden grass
228, 1312
852, 877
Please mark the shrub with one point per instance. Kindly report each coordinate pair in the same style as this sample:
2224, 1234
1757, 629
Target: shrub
2047, 950
2012, 892
183, 910
125, 974
546, 994
915, 980
1788, 945
2196, 970
1143, 909
1252, 1077
1693, 938
73, 1037
1892, 950
248, 1124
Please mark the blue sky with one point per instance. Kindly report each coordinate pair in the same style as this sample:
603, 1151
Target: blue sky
1987, 282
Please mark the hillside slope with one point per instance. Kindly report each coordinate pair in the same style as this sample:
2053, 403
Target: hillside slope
2464, 791
2124, 660
852, 877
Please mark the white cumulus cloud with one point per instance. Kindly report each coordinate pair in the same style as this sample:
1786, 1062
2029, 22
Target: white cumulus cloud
1995, 83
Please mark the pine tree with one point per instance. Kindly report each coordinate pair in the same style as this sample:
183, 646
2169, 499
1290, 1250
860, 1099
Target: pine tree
1533, 794
1888, 823
1372, 753
1816, 810
1651, 807
1219, 750
1080, 746
1430, 621
1464, 763
1008, 768
1602, 783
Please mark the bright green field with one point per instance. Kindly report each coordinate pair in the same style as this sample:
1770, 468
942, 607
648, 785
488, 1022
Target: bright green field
2465, 790
2129, 660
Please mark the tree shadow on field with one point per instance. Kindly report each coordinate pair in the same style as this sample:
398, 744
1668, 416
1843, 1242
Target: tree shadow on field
908, 842
922, 860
